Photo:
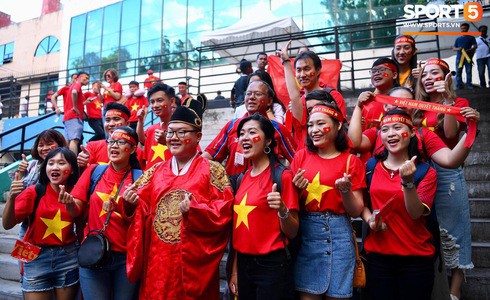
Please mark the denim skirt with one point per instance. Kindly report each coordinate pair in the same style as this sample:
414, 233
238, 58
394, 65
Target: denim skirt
453, 214
326, 258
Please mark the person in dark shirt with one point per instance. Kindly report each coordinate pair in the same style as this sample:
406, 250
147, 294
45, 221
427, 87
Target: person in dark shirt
238, 91
465, 44
219, 97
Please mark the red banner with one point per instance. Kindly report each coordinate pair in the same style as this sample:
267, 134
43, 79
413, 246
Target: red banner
432, 107
329, 75
25, 251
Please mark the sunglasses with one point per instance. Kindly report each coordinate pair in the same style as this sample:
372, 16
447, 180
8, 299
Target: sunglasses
107, 75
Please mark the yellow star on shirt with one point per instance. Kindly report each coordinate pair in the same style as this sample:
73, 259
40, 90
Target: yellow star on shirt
134, 107
102, 162
242, 211
424, 124
158, 151
105, 197
98, 104
55, 225
316, 190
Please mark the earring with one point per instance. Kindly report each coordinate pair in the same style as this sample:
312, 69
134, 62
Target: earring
267, 150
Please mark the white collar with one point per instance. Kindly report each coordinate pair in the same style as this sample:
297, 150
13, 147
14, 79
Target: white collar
175, 166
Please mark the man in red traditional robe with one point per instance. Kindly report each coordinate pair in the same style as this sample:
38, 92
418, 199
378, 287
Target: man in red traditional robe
189, 204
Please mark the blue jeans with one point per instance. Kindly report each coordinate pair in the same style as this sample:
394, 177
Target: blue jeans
459, 73
266, 277
482, 63
110, 282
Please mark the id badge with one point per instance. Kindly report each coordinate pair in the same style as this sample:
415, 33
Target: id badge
25, 251
239, 159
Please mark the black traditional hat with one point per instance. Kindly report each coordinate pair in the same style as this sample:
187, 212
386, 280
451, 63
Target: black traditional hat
189, 112
201, 98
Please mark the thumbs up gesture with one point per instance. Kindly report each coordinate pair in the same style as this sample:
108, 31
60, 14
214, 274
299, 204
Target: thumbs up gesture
344, 184
416, 72
22, 166
442, 86
185, 205
83, 157
407, 170
274, 199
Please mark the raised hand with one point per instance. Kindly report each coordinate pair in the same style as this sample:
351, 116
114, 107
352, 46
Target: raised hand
344, 184
470, 113
64, 197
17, 185
299, 181
185, 205
274, 199
375, 222
130, 195
442, 86
22, 166
160, 136
141, 114
83, 157
416, 72
283, 53
407, 170
364, 98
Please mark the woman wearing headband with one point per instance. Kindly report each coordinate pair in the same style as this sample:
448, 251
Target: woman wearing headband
404, 53
399, 249
110, 281
451, 200
331, 181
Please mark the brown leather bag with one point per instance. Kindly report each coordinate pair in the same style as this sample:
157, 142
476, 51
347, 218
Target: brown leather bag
359, 271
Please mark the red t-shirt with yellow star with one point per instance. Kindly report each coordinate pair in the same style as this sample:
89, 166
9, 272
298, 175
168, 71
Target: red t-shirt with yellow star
372, 113
321, 194
256, 226
115, 87
94, 108
99, 156
154, 152
52, 224
429, 121
404, 236
107, 186
134, 104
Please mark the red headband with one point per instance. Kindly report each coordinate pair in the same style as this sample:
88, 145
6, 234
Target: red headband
389, 65
405, 39
328, 111
122, 135
397, 119
116, 113
437, 62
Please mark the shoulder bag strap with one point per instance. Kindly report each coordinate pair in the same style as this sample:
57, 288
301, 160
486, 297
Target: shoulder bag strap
115, 197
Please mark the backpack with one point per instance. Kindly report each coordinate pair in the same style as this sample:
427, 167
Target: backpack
99, 170
431, 222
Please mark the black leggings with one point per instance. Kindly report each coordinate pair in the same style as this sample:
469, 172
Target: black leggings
399, 277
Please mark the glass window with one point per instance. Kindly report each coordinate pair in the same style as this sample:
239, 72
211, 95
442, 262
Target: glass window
226, 13
8, 54
46, 86
112, 20
110, 41
150, 48
174, 18
94, 24
48, 45
151, 31
77, 29
130, 14
151, 19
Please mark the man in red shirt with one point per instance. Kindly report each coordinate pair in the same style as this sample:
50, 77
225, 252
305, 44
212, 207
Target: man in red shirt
93, 106
73, 117
183, 92
151, 80
135, 102
63, 92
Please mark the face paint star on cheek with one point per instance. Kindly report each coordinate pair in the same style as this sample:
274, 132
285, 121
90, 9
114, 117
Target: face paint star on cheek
256, 139
127, 149
165, 106
327, 129
409, 52
438, 79
386, 75
405, 135
66, 172
187, 141
52, 147
313, 73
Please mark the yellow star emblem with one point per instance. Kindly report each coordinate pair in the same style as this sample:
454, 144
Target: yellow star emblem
316, 190
55, 225
105, 197
98, 104
242, 211
424, 124
158, 151
135, 107
102, 162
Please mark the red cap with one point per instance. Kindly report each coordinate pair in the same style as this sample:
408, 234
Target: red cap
150, 71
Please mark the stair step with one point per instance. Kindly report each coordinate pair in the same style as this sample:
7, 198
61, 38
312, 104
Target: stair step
7, 243
9, 267
478, 189
477, 285
477, 172
480, 255
478, 158
480, 208
479, 230
14, 231
10, 290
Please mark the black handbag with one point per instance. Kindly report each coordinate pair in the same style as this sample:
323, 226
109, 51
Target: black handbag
95, 250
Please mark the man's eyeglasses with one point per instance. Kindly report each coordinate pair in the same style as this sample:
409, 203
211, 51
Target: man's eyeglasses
120, 143
257, 94
379, 70
180, 133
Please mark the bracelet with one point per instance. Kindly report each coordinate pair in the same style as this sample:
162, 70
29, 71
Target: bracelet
286, 215
344, 192
284, 61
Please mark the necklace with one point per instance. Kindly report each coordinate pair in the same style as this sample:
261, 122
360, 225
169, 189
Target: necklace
390, 170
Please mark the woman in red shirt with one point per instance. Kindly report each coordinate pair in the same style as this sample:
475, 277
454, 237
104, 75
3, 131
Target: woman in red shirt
54, 272
265, 218
399, 249
113, 92
452, 205
331, 180
110, 280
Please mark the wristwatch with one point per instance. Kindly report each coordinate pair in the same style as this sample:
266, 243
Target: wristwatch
408, 185
286, 215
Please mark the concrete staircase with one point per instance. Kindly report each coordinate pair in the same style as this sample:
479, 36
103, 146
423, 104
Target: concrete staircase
10, 287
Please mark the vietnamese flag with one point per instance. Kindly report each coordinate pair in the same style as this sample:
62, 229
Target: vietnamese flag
256, 139
326, 129
329, 75
405, 135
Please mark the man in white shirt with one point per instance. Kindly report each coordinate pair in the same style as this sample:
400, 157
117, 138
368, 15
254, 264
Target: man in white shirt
24, 103
483, 55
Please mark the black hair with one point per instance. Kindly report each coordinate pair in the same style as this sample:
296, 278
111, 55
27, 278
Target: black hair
264, 76
464, 24
46, 135
384, 60
133, 159
114, 74
83, 73
413, 146
183, 82
117, 106
401, 88
481, 27
261, 53
341, 141
70, 157
320, 95
413, 60
269, 132
169, 91
311, 55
